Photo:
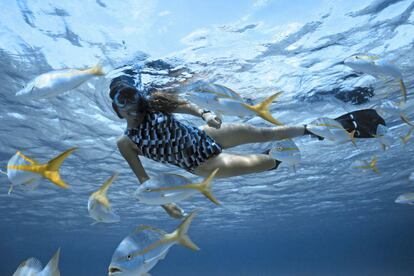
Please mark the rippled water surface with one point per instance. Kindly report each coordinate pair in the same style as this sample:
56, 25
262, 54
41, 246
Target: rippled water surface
322, 219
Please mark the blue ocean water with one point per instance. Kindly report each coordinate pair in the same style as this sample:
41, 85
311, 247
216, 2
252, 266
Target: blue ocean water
320, 219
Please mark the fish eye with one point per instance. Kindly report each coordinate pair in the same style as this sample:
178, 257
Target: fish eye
279, 148
356, 57
148, 190
129, 257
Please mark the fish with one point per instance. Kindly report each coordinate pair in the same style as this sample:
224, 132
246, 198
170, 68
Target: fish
169, 188
286, 151
99, 207
212, 88
407, 198
224, 101
33, 267
25, 171
139, 252
331, 130
376, 66
57, 82
365, 165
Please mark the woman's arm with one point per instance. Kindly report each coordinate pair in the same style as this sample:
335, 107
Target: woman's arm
209, 117
130, 152
185, 107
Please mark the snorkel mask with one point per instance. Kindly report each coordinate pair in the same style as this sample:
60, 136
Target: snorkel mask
127, 95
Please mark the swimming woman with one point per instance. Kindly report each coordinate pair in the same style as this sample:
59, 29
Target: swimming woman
153, 132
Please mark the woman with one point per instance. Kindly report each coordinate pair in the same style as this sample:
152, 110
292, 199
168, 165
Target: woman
153, 131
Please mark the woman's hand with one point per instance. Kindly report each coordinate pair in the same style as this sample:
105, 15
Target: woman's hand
212, 120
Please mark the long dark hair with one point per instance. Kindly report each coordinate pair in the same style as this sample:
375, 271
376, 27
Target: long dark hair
154, 101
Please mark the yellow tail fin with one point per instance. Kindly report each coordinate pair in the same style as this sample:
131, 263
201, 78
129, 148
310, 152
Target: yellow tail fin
51, 169
262, 109
373, 165
181, 232
97, 70
205, 187
100, 195
403, 90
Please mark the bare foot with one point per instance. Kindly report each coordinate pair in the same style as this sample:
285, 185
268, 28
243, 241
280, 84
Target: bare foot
173, 210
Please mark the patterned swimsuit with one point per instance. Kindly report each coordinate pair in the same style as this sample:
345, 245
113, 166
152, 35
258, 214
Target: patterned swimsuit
162, 138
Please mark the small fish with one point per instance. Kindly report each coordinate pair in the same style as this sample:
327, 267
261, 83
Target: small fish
212, 88
99, 207
286, 151
376, 66
407, 198
22, 170
365, 165
33, 267
225, 101
331, 130
57, 82
168, 188
139, 252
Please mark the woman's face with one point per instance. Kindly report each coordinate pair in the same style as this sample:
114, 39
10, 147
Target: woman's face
129, 111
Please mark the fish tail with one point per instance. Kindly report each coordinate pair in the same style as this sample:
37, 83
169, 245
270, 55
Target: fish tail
181, 232
262, 109
403, 90
352, 136
373, 165
205, 187
100, 195
406, 120
51, 169
53, 264
97, 70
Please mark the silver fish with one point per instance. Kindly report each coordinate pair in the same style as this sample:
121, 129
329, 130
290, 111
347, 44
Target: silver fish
169, 188
139, 252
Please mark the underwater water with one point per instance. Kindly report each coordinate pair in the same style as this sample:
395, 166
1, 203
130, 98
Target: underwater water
323, 218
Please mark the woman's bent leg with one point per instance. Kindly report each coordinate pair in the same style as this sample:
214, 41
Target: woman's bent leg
234, 165
231, 135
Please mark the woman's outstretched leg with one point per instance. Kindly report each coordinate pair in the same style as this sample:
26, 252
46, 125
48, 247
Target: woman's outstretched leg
231, 135
234, 164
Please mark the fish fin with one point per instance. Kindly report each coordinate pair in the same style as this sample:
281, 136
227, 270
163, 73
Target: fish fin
97, 70
94, 223
10, 189
352, 137
406, 120
53, 264
32, 263
262, 109
3, 172
27, 159
181, 232
403, 91
205, 187
373, 164
100, 195
51, 170
150, 228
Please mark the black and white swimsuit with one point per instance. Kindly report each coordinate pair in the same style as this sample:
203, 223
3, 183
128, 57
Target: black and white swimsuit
163, 138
